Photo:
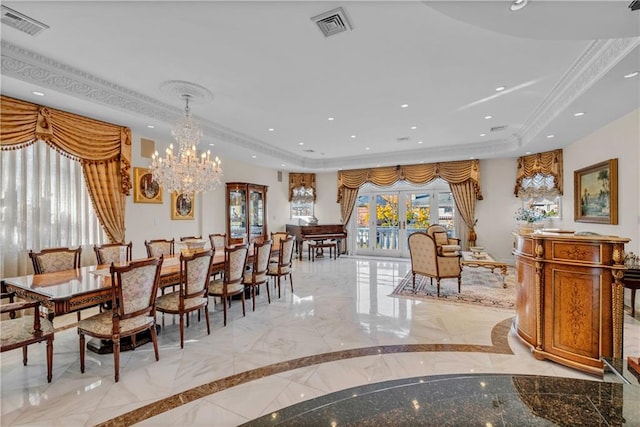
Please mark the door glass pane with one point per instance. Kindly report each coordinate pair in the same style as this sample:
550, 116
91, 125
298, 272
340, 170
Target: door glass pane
387, 221
237, 215
363, 205
418, 212
445, 212
255, 214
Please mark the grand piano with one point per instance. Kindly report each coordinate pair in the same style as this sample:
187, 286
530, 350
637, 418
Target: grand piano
316, 233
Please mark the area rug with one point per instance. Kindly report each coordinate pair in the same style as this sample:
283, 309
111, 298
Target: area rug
479, 287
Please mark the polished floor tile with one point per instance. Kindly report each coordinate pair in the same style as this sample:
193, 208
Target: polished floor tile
338, 330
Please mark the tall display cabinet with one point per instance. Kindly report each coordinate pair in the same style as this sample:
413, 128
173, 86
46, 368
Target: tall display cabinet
246, 212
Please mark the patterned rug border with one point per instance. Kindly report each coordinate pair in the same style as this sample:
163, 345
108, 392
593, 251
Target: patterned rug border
489, 294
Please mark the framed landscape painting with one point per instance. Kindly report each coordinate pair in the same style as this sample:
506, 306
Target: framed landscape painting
596, 193
145, 188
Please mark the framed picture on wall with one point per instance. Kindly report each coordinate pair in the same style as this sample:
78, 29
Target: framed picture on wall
596, 193
145, 188
182, 207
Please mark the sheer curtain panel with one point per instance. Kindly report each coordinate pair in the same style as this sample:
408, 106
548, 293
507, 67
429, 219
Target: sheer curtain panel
44, 203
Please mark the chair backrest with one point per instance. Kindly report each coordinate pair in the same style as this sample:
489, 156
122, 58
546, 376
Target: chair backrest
218, 240
183, 238
277, 237
422, 249
439, 234
261, 255
55, 259
195, 272
235, 262
158, 247
110, 252
286, 252
134, 287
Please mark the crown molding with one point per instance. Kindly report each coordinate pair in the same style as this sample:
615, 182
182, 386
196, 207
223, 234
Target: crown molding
596, 60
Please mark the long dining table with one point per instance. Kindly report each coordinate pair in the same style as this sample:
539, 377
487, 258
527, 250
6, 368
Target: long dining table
68, 291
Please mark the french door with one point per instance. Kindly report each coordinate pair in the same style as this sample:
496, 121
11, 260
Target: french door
384, 219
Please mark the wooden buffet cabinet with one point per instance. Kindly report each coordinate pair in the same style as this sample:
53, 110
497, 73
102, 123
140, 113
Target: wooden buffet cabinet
569, 297
246, 212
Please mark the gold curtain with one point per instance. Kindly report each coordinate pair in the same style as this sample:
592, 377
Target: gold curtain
452, 172
547, 163
103, 149
347, 203
465, 197
307, 180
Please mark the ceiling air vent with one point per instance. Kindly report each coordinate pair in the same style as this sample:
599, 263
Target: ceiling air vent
498, 128
309, 151
403, 139
21, 22
332, 22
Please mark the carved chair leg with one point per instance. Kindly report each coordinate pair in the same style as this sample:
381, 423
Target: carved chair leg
154, 338
49, 359
24, 355
82, 349
182, 328
116, 358
206, 316
268, 293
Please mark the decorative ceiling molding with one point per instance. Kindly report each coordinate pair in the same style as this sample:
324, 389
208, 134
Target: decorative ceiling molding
597, 59
29, 66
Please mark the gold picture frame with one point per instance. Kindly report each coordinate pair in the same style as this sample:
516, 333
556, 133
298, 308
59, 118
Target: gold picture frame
181, 207
145, 188
596, 193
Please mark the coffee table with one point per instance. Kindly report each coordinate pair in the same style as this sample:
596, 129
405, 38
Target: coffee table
484, 260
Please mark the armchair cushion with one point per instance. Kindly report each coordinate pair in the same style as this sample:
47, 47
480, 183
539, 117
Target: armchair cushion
449, 250
441, 238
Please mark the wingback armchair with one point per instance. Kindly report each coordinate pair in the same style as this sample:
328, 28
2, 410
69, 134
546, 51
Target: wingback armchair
445, 245
426, 261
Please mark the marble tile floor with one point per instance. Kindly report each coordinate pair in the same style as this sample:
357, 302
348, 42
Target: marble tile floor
339, 329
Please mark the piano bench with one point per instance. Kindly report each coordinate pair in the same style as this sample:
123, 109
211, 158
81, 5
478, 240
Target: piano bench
316, 250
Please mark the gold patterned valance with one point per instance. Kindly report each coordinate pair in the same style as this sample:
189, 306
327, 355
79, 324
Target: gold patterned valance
307, 180
453, 172
537, 167
103, 149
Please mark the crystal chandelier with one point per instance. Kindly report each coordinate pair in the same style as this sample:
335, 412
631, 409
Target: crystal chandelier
186, 173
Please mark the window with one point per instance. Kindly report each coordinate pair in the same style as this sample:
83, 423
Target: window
302, 202
44, 203
539, 192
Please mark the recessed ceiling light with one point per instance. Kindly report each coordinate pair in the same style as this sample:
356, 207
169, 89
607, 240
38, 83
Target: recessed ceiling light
151, 126
488, 117
212, 144
483, 134
414, 127
628, 76
404, 105
527, 152
368, 148
500, 88
300, 143
471, 158
271, 129
551, 136
578, 114
35, 92
419, 142
283, 165
253, 157
421, 161
353, 136
517, 5
330, 118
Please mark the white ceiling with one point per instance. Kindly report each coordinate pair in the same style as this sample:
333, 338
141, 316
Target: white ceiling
269, 66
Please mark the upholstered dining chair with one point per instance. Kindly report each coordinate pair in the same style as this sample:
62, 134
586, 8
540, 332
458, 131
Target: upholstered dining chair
446, 246
133, 302
426, 261
195, 272
22, 331
235, 262
55, 259
158, 247
260, 265
218, 240
277, 237
110, 252
283, 266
